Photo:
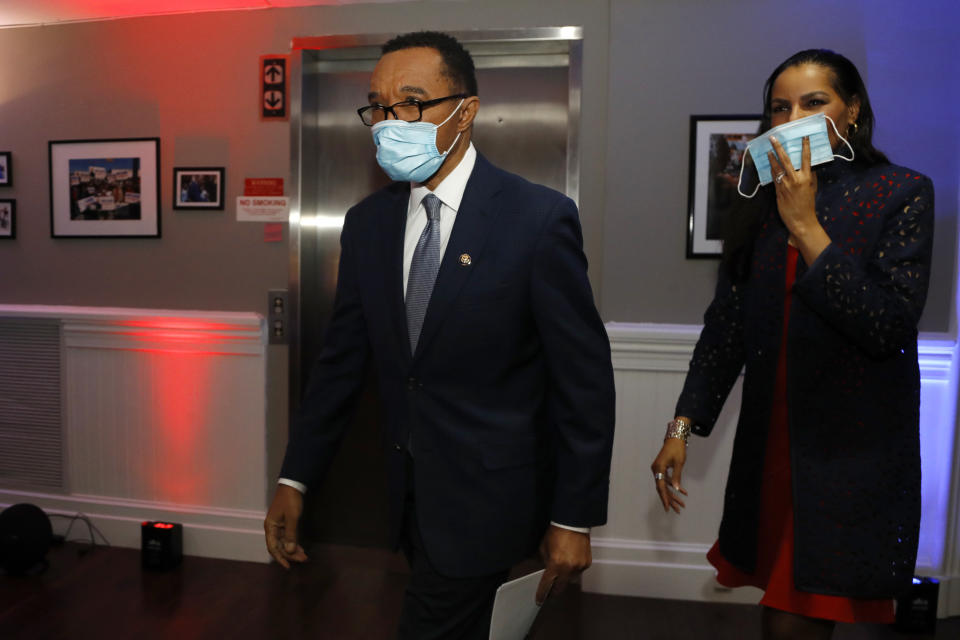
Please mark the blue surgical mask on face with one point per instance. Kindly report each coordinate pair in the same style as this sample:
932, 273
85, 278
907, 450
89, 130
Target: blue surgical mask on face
791, 135
407, 151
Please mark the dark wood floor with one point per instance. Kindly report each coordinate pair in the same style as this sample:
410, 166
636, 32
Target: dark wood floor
344, 593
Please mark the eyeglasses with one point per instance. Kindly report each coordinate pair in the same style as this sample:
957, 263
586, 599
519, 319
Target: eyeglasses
409, 110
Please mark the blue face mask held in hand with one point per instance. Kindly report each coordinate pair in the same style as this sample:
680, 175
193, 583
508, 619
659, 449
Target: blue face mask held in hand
791, 135
407, 151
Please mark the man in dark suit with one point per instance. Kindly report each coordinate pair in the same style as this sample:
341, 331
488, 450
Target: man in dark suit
466, 286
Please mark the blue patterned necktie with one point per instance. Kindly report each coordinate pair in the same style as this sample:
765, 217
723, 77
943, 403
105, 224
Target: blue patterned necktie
423, 270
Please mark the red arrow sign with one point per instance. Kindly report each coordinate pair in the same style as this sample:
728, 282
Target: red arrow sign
274, 86
273, 74
273, 100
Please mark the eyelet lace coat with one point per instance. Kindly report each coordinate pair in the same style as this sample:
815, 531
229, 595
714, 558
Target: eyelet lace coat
853, 382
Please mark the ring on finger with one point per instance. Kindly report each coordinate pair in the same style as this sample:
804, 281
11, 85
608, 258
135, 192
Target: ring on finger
658, 476
779, 177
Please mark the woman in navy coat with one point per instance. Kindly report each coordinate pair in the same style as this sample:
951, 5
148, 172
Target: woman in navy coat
819, 295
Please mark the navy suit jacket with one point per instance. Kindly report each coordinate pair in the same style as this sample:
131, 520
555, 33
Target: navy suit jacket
509, 399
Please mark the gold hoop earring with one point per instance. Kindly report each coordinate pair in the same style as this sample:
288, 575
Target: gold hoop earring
855, 126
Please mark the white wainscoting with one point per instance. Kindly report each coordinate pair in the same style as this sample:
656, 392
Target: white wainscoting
164, 419
643, 551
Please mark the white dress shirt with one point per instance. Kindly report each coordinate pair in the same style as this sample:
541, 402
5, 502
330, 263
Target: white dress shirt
450, 193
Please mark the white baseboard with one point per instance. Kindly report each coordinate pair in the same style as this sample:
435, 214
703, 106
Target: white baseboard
948, 602
209, 532
652, 569
680, 571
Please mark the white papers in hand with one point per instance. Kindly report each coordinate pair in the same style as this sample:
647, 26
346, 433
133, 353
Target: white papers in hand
515, 608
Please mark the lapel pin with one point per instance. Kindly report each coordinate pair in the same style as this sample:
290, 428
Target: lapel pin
465, 260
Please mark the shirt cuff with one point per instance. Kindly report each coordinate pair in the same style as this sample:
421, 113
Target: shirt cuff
299, 486
577, 529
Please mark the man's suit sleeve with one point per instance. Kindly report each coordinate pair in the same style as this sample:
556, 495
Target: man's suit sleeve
336, 379
580, 386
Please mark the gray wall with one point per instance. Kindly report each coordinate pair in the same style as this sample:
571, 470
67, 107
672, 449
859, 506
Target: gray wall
669, 60
648, 65
192, 80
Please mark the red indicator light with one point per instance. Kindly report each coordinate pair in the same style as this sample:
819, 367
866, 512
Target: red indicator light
162, 525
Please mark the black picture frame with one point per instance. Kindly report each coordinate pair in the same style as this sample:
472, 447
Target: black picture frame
8, 219
198, 188
106, 188
6, 169
713, 178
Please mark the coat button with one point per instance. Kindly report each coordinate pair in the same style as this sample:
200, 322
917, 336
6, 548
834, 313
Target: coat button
396, 445
411, 383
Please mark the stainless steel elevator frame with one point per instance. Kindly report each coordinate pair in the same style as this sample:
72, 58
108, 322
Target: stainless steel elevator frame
509, 47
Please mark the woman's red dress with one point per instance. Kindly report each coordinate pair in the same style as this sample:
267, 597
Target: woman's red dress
774, 573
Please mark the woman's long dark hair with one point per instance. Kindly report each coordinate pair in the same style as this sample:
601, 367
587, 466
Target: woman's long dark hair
743, 223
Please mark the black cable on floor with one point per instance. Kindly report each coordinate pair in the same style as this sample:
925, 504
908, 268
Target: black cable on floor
92, 530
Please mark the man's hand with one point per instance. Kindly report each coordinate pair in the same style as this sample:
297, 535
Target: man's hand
566, 554
280, 526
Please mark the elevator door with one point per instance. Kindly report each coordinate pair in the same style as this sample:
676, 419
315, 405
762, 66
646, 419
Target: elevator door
524, 125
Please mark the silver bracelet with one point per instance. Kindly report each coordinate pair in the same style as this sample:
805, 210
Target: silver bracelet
678, 428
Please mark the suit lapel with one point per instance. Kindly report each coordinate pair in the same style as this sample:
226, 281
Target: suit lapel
392, 248
478, 210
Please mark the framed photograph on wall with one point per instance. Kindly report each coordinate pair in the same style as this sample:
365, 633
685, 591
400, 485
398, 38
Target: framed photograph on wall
717, 147
198, 188
8, 219
6, 169
105, 188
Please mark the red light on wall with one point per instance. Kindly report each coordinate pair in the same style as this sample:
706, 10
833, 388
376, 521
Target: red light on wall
162, 525
180, 405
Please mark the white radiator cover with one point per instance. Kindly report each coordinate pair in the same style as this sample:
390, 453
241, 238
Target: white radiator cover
164, 418
643, 551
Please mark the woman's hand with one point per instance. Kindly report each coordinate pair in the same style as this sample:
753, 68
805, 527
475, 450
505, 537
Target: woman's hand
796, 200
671, 458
